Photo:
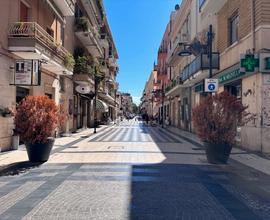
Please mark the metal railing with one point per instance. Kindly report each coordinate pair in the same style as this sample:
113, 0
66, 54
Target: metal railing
34, 30
173, 83
71, 4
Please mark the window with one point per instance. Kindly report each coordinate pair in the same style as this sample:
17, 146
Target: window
62, 83
50, 31
234, 23
24, 12
21, 93
235, 89
49, 95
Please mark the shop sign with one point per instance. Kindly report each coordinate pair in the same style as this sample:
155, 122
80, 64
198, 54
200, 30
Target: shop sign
199, 87
230, 75
249, 63
27, 73
265, 62
211, 85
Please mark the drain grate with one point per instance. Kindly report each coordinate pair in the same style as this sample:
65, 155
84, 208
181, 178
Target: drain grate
115, 147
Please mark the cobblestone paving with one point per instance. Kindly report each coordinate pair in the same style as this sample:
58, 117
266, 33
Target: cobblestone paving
64, 190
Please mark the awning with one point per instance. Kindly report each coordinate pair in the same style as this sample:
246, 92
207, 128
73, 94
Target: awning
102, 106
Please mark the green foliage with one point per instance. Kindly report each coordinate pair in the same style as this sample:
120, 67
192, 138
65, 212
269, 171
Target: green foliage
78, 52
135, 108
83, 65
82, 24
69, 61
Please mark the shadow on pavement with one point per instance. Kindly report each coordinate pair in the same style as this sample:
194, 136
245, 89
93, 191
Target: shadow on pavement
189, 191
18, 168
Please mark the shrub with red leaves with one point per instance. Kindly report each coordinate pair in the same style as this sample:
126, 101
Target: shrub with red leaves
216, 117
36, 119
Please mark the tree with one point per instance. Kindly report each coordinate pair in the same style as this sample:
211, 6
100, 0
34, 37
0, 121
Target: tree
135, 108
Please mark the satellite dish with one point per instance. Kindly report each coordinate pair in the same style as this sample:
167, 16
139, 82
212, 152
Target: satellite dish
83, 89
176, 7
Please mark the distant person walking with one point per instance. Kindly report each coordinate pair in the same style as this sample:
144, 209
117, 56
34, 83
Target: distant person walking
146, 118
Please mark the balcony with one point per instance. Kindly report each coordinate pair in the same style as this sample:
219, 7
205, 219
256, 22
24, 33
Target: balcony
104, 42
198, 69
174, 86
29, 40
177, 46
106, 96
83, 79
67, 7
89, 36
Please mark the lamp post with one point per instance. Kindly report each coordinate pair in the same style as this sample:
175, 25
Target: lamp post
209, 47
152, 100
163, 96
161, 93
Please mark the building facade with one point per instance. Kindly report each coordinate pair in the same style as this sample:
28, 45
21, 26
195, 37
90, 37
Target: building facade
34, 30
126, 104
42, 37
95, 45
240, 52
149, 99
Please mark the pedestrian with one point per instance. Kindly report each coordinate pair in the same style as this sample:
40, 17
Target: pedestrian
146, 118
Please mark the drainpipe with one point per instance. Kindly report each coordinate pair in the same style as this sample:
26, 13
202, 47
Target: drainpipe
253, 25
253, 17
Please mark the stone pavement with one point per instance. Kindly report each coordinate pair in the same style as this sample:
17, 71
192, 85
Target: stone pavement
14, 156
248, 158
132, 171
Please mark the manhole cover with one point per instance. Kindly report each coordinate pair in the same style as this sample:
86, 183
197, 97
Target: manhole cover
116, 148
197, 148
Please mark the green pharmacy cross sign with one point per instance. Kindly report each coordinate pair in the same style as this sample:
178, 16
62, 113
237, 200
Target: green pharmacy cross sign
249, 62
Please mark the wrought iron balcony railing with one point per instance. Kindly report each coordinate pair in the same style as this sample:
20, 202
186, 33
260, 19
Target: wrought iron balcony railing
23, 30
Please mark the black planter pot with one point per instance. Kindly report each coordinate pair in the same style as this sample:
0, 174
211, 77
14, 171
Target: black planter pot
39, 152
217, 153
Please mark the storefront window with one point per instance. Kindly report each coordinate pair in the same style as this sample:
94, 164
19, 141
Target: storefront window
21, 93
235, 89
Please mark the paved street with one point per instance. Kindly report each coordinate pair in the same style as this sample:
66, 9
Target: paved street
133, 171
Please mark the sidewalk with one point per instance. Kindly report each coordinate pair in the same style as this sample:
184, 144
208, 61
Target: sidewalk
245, 157
14, 156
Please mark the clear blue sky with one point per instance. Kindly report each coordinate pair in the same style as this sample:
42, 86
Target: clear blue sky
137, 27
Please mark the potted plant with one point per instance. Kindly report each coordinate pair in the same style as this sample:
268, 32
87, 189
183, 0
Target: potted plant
36, 119
7, 112
83, 65
215, 121
69, 61
82, 24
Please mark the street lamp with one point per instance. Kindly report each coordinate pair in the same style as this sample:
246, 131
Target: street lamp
197, 48
162, 93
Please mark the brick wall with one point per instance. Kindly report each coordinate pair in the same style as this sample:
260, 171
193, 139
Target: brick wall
262, 12
243, 8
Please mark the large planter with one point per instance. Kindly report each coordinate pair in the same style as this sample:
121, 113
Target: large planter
39, 152
217, 153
